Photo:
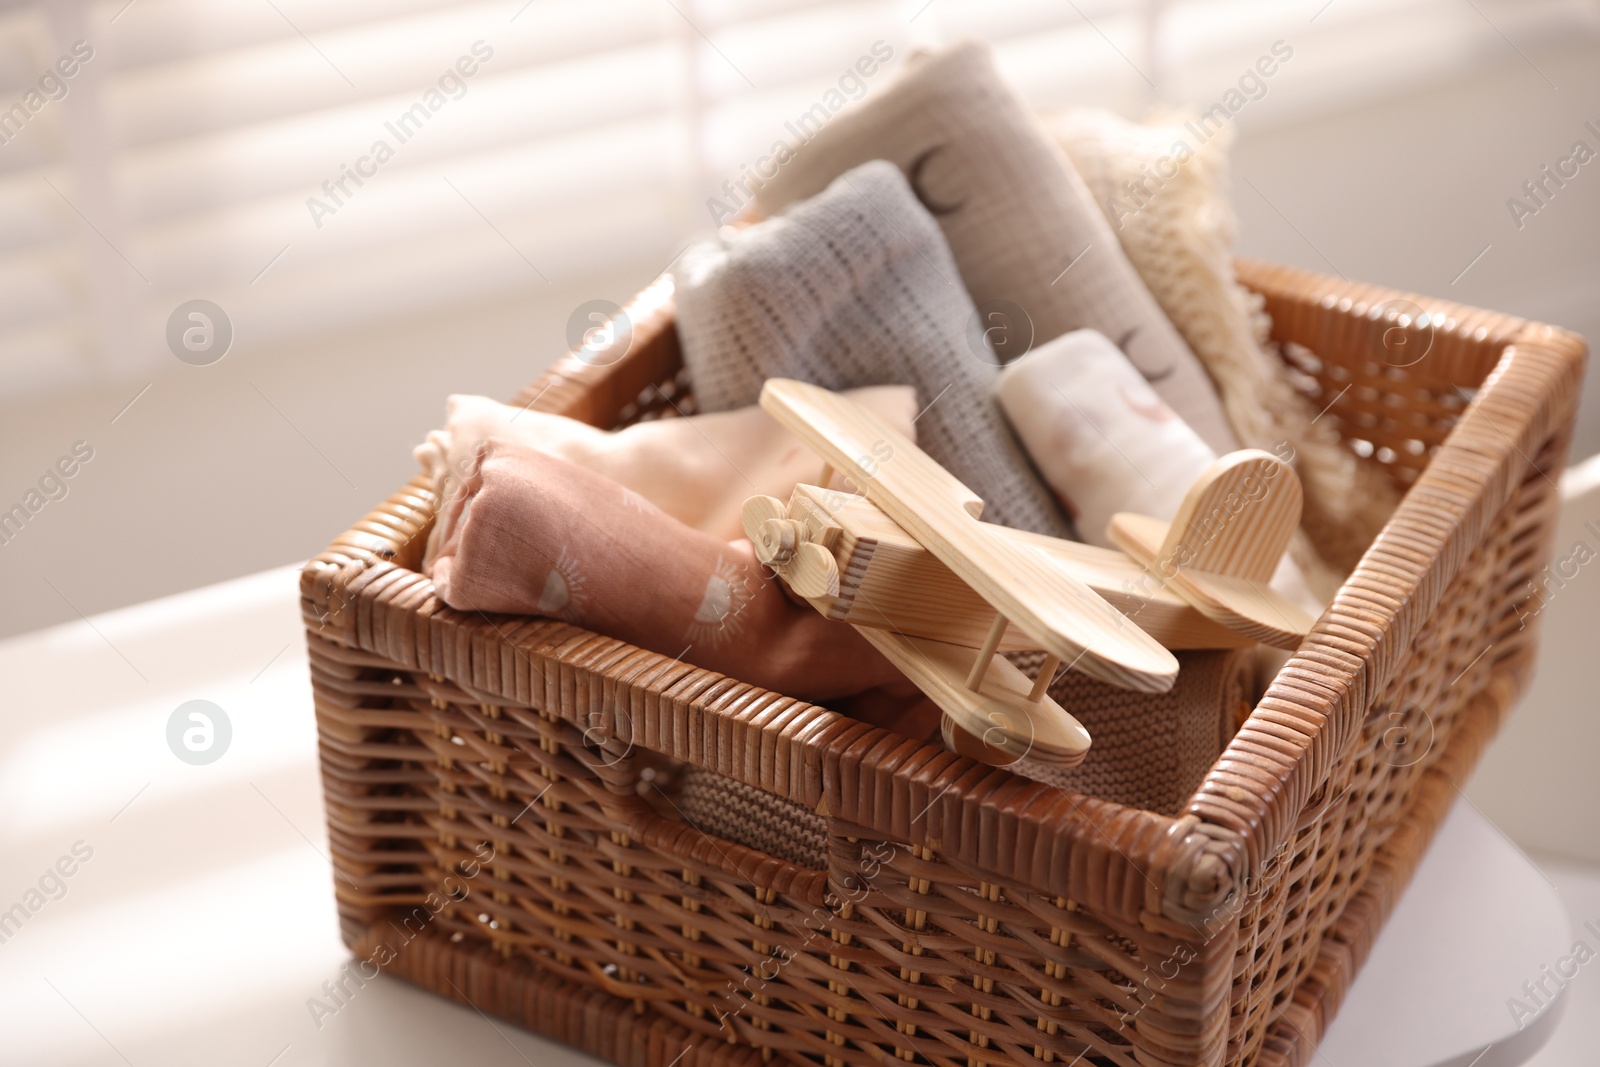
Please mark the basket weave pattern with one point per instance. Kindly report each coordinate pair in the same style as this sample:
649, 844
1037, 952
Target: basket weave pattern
490, 841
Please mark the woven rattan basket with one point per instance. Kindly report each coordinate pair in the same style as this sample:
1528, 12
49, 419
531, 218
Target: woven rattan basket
490, 841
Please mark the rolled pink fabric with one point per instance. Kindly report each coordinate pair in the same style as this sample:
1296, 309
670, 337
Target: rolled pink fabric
535, 535
699, 468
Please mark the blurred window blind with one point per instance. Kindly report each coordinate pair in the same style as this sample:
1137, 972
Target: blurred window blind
180, 159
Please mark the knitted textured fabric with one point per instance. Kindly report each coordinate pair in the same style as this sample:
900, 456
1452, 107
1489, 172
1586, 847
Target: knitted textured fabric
699, 469
1151, 751
1024, 231
727, 808
1179, 233
856, 287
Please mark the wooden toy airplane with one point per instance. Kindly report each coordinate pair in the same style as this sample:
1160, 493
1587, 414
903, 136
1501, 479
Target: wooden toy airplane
939, 592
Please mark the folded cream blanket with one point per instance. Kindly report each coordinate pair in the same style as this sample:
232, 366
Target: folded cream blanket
699, 469
1098, 432
532, 534
856, 287
1106, 443
1024, 231
1165, 192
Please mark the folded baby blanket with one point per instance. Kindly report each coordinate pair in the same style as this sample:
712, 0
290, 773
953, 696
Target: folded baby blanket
699, 469
856, 287
1024, 231
532, 534
1106, 443
1098, 432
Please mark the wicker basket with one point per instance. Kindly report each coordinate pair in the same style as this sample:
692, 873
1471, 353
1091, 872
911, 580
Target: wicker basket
491, 843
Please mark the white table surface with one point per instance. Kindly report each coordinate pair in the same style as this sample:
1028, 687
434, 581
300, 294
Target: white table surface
203, 922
